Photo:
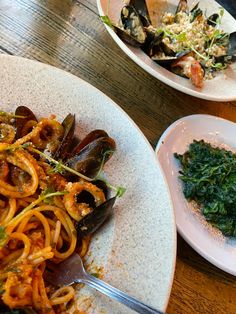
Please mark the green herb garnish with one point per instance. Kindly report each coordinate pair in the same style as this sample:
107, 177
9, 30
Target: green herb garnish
10, 115
106, 20
59, 166
209, 178
119, 190
3, 236
41, 198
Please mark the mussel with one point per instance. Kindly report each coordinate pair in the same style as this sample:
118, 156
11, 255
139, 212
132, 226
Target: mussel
89, 138
131, 27
230, 55
182, 7
196, 12
90, 223
132, 24
159, 51
25, 121
141, 7
69, 128
232, 46
93, 156
212, 19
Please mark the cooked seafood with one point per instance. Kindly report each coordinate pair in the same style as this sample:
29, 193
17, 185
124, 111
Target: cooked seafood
186, 42
48, 210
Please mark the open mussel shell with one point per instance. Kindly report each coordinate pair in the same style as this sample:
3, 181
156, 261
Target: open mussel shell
94, 220
141, 7
213, 19
159, 51
124, 36
25, 115
195, 12
69, 129
93, 156
182, 7
132, 23
232, 45
89, 138
164, 61
231, 51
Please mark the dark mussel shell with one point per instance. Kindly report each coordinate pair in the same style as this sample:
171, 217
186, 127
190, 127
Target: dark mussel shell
195, 12
141, 7
103, 186
124, 36
182, 7
232, 45
92, 157
69, 129
20, 122
132, 23
6, 310
95, 134
212, 19
91, 222
157, 47
231, 51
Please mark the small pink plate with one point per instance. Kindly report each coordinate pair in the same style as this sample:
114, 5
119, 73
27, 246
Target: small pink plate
204, 238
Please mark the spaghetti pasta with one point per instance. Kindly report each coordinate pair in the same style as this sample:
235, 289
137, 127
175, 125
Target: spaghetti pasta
39, 211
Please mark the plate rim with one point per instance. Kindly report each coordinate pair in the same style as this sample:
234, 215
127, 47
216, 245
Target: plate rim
180, 227
125, 48
150, 148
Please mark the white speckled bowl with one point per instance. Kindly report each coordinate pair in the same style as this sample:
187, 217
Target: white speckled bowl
137, 247
221, 88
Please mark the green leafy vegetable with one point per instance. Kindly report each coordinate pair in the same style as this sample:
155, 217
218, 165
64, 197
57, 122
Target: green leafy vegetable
209, 178
106, 20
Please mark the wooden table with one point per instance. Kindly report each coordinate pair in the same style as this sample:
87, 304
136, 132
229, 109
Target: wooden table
69, 34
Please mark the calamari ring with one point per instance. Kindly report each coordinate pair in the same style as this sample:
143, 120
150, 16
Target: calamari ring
79, 210
7, 133
20, 159
50, 134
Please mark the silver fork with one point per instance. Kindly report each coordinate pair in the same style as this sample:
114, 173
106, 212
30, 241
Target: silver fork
72, 270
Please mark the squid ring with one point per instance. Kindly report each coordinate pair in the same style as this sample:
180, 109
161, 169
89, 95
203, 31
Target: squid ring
79, 210
50, 134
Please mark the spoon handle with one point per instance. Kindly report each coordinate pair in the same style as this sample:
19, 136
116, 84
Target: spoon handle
118, 295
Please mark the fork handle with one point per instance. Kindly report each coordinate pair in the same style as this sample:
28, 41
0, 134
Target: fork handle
118, 295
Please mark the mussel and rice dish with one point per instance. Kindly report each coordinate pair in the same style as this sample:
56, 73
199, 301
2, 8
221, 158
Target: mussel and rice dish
186, 42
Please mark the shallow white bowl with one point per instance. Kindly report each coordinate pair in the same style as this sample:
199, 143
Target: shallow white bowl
221, 88
137, 247
203, 237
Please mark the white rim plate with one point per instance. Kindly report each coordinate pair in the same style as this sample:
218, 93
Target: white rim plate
221, 88
205, 239
137, 248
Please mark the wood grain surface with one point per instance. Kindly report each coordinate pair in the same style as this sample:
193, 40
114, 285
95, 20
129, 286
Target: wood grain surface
70, 35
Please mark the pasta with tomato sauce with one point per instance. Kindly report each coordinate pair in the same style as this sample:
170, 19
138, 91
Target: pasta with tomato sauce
43, 202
